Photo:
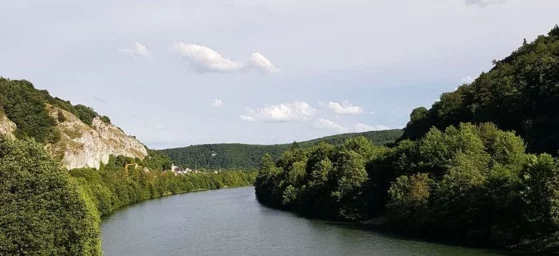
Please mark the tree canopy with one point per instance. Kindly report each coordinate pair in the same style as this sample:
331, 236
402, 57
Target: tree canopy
42, 211
520, 93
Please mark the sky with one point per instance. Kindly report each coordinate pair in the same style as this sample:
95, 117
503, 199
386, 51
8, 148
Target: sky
183, 72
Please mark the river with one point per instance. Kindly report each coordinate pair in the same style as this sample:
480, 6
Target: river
231, 222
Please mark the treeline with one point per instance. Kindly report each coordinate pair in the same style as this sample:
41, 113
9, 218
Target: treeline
520, 93
26, 107
124, 180
243, 156
46, 210
469, 184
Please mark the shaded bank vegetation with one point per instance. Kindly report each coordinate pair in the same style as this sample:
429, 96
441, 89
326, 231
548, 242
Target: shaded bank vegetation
477, 168
469, 184
46, 210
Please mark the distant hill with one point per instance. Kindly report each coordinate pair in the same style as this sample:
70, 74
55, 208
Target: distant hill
245, 156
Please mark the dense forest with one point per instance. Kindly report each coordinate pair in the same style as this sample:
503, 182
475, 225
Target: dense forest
477, 168
520, 93
244, 156
25, 106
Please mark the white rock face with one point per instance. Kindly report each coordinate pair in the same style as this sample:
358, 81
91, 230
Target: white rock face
82, 145
7, 127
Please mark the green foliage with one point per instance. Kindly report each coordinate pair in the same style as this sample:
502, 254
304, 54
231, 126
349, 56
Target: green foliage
42, 211
106, 119
84, 113
408, 204
242, 156
520, 93
321, 181
468, 184
123, 181
26, 107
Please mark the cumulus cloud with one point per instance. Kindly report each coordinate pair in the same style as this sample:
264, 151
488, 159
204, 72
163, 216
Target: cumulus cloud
323, 123
204, 59
467, 80
342, 108
485, 3
361, 127
296, 111
139, 50
217, 103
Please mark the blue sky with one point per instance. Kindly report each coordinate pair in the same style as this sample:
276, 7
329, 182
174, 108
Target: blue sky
176, 73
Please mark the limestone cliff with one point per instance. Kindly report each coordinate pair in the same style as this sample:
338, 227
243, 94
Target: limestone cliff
82, 145
7, 127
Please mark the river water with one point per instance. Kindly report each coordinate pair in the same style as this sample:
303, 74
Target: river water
231, 222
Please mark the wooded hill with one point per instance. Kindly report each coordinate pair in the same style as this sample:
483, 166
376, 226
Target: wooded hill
245, 156
476, 169
520, 93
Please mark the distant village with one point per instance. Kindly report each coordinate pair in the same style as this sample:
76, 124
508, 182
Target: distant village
177, 170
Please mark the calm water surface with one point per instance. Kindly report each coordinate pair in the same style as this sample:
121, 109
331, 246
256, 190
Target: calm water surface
231, 222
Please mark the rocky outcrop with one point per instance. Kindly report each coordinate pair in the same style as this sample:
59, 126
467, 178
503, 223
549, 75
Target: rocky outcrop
7, 127
82, 145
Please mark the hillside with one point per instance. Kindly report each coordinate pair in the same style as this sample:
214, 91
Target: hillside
64, 166
475, 169
520, 93
75, 135
245, 156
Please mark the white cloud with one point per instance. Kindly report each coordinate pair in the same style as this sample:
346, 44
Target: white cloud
247, 118
296, 111
205, 59
485, 3
467, 80
139, 50
217, 103
361, 127
323, 123
372, 112
342, 108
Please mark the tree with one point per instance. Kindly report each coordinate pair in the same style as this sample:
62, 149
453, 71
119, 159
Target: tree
541, 196
61, 117
347, 179
408, 202
42, 211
